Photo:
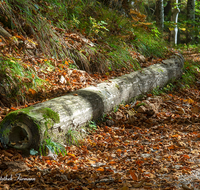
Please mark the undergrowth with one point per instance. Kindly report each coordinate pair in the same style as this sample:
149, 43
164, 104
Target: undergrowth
190, 70
51, 147
148, 43
17, 79
86, 34
39, 20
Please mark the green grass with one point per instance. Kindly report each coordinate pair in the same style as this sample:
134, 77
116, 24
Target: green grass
38, 19
120, 56
17, 78
190, 70
50, 146
72, 137
189, 73
149, 43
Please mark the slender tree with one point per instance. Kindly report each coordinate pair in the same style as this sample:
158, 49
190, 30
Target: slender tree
174, 18
190, 19
159, 14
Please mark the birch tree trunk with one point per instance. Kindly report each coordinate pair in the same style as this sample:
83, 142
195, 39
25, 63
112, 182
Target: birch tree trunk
190, 19
174, 18
160, 14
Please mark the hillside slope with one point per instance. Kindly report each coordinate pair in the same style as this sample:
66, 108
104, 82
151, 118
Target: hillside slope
49, 48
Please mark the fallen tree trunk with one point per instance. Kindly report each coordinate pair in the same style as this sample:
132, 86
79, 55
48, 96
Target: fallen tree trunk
27, 128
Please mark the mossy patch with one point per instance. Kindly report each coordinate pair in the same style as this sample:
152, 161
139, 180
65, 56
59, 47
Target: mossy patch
13, 114
117, 86
10, 118
25, 110
5, 133
50, 114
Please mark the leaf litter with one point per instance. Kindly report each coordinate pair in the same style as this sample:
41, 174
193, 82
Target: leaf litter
159, 150
150, 144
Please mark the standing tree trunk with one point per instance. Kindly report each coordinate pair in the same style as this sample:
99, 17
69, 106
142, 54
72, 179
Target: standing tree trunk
190, 19
159, 14
174, 18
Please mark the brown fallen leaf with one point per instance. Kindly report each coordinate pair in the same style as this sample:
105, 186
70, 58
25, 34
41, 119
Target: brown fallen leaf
124, 188
137, 185
148, 184
5, 187
180, 110
107, 129
85, 188
100, 169
7, 153
141, 109
70, 163
112, 162
195, 109
133, 175
189, 101
185, 187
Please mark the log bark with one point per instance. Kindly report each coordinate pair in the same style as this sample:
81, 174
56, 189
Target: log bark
27, 128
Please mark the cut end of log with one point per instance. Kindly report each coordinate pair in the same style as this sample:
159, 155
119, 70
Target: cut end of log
20, 136
19, 131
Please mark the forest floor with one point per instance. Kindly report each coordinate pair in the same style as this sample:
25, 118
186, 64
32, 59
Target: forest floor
148, 152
